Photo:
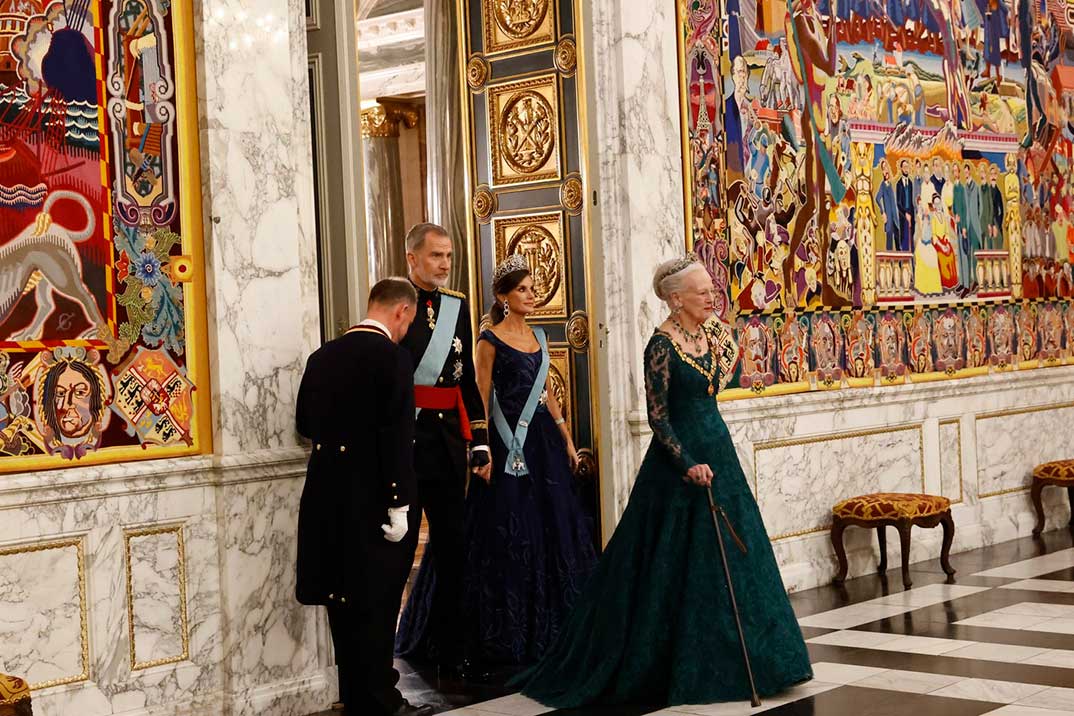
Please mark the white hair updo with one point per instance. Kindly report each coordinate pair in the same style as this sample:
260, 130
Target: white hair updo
670, 276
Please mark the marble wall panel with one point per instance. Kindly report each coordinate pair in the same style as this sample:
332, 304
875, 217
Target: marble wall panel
43, 612
156, 596
1011, 442
797, 481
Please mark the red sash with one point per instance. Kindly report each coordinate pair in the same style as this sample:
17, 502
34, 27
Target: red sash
429, 397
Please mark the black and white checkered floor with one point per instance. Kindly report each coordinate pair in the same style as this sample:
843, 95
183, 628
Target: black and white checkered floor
999, 640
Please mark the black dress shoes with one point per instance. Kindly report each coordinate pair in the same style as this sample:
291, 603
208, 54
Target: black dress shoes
465, 670
408, 709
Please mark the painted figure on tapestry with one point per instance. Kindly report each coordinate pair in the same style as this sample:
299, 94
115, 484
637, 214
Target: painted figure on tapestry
793, 350
1027, 333
92, 265
890, 155
827, 342
860, 350
757, 354
1001, 337
950, 341
891, 346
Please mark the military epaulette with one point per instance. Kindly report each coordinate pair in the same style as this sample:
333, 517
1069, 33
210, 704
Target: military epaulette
456, 294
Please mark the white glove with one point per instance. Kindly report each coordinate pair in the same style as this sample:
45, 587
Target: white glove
397, 529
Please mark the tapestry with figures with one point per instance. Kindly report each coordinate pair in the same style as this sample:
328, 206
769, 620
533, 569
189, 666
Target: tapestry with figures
882, 189
99, 261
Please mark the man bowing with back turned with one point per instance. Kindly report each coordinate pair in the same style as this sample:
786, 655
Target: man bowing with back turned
356, 533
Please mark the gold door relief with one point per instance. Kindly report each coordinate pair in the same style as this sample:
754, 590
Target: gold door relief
526, 158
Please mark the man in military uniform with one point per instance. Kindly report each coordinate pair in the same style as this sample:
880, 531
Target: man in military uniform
356, 533
451, 415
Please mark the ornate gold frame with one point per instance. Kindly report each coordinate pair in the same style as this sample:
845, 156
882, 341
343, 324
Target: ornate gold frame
184, 624
498, 95
557, 305
83, 611
191, 231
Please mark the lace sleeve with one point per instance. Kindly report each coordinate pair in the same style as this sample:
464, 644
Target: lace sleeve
657, 382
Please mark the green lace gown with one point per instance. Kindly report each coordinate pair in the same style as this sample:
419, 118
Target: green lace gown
654, 624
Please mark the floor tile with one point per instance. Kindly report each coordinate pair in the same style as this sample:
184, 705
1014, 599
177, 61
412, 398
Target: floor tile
929, 595
923, 645
513, 705
996, 652
1061, 658
1042, 585
1003, 692
859, 701
915, 682
849, 637
1018, 710
1063, 625
1038, 609
1033, 567
1056, 698
998, 620
852, 616
830, 673
796, 694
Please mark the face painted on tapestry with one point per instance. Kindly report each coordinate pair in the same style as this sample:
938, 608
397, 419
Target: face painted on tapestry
72, 403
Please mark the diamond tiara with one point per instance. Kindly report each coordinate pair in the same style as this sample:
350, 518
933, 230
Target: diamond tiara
514, 262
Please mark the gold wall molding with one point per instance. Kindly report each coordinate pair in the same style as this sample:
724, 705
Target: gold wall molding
184, 625
566, 55
477, 73
484, 204
570, 195
993, 415
578, 331
517, 24
79, 544
957, 422
784, 443
523, 122
538, 238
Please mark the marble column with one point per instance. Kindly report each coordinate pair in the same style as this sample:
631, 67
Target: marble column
444, 121
385, 229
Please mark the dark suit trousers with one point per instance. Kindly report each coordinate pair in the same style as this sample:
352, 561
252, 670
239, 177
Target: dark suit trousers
443, 504
364, 633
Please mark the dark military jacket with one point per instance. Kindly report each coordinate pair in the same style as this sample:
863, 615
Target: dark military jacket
439, 448
356, 405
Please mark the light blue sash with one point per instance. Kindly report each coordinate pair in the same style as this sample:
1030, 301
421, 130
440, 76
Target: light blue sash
436, 353
516, 461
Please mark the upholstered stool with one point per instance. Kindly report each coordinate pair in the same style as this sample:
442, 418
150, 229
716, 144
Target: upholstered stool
14, 696
901, 510
1059, 473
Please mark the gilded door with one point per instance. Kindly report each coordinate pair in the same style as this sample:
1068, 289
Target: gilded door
526, 170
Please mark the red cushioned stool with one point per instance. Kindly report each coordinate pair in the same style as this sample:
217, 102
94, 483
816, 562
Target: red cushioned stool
897, 509
1060, 474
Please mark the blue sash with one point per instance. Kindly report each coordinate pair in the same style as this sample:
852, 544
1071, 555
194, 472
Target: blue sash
516, 461
436, 353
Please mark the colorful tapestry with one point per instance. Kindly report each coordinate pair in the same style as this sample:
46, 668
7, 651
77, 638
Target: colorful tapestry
882, 189
98, 253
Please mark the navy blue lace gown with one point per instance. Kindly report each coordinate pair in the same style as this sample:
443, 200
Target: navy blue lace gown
529, 542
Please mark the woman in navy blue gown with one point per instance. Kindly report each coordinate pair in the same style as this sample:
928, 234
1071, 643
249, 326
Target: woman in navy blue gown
529, 542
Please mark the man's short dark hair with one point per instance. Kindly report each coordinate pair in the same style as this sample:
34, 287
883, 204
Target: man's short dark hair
392, 291
415, 238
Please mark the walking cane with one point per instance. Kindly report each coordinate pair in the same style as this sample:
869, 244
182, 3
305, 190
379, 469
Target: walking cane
717, 511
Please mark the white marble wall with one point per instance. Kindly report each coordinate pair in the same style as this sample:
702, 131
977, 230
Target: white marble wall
972, 440
215, 626
634, 143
